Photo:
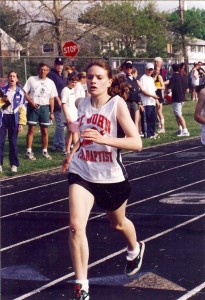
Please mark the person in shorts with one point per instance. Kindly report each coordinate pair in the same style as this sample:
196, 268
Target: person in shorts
178, 88
40, 92
96, 173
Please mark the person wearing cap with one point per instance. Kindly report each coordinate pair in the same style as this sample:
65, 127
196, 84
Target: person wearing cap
149, 101
134, 96
56, 74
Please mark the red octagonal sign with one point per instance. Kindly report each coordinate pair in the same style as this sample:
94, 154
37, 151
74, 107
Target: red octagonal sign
70, 49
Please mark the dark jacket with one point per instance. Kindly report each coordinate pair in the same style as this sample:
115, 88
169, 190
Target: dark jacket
178, 87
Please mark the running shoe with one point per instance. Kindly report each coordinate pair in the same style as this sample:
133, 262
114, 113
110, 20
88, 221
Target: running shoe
46, 155
183, 134
14, 169
30, 155
133, 266
162, 130
1, 169
80, 294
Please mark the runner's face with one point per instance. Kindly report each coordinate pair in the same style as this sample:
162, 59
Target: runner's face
98, 81
43, 72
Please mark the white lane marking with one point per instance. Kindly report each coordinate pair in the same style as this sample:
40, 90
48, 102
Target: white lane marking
151, 147
97, 216
138, 178
34, 188
104, 259
128, 164
193, 292
167, 170
43, 235
31, 208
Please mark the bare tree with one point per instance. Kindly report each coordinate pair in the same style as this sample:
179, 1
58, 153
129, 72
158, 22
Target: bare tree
54, 14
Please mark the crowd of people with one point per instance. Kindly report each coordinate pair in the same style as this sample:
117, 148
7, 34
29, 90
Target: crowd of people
53, 94
103, 114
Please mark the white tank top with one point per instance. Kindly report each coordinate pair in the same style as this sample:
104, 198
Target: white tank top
94, 162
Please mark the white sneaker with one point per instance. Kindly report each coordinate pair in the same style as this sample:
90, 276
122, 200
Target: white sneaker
1, 169
46, 155
183, 134
30, 156
162, 130
14, 169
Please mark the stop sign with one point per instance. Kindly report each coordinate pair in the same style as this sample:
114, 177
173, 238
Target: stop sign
70, 48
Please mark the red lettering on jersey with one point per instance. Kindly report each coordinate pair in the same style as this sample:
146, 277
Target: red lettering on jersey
81, 120
95, 156
101, 121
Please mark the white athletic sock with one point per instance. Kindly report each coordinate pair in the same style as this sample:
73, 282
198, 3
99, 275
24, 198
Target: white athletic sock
185, 130
180, 127
84, 283
44, 150
132, 254
29, 150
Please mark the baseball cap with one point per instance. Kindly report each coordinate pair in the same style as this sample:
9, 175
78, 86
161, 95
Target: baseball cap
128, 64
150, 66
58, 61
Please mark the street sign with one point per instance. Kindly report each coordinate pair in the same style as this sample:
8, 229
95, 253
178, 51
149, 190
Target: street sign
70, 49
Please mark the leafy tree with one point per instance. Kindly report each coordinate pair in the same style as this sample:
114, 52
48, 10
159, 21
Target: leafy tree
10, 22
141, 31
193, 26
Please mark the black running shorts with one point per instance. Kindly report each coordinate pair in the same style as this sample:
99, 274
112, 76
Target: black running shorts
108, 196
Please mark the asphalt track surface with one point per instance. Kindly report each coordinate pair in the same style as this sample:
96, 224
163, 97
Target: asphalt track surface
167, 206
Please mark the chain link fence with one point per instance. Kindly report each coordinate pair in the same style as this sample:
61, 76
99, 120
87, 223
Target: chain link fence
27, 66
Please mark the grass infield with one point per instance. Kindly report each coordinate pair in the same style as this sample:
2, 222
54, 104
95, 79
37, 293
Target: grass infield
27, 166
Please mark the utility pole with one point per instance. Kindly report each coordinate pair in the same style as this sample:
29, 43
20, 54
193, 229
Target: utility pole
181, 16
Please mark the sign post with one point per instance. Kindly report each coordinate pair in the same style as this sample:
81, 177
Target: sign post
70, 49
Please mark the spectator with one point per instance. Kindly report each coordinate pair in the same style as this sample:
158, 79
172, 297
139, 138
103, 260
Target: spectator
199, 114
96, 173
70, 112
134, 96
40, 93
56, 74
79, 89
149, 101
12, 118
83, 80
159, 83
70, 71
158, 62
177, 87
182, 71
195, 81
201, 72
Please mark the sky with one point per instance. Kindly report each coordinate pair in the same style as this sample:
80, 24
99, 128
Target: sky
172, 5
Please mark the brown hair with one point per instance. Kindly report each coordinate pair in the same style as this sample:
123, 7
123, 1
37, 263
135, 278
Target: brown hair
102, 64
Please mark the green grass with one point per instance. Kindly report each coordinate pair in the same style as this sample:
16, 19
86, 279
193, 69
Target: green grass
27, 166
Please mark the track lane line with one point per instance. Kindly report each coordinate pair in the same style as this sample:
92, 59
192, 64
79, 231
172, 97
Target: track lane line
98, 216
193, 292
54, 282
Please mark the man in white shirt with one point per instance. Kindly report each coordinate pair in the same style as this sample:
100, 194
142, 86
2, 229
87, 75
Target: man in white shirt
40, 92
149, 102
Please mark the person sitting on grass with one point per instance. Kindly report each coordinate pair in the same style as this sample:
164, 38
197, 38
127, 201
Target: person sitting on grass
12, 118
